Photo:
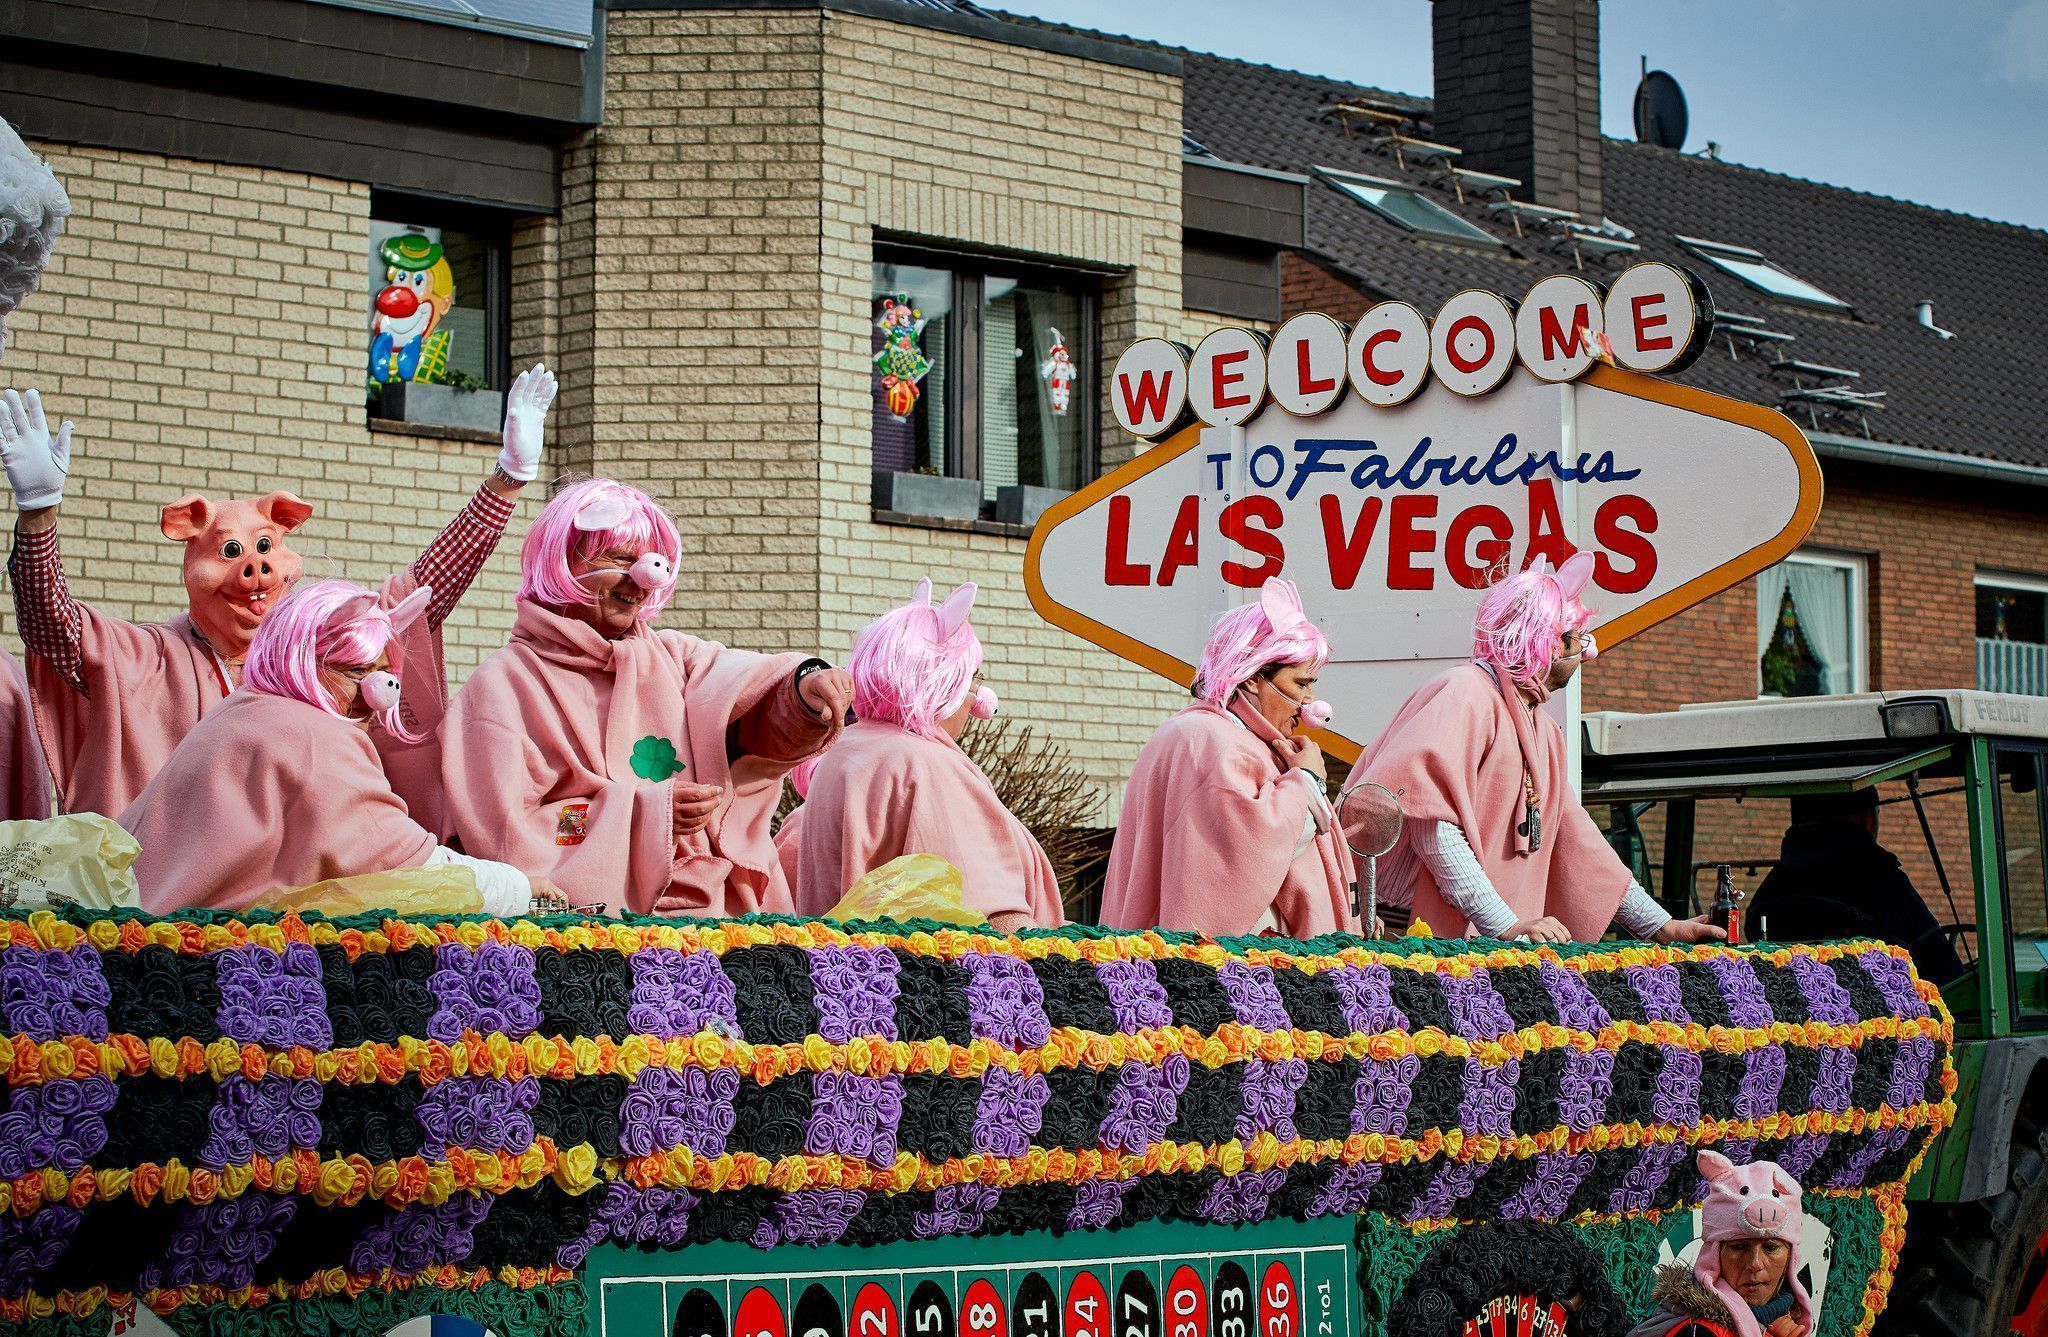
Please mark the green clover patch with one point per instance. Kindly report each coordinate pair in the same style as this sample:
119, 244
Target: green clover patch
654, 758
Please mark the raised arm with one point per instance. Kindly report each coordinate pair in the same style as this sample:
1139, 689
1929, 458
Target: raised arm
36, 465
451, 562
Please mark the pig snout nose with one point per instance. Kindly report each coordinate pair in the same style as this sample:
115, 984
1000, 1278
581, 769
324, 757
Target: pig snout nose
254, 570
1765, 1215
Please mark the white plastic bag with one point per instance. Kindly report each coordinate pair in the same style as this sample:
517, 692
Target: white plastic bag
80, 858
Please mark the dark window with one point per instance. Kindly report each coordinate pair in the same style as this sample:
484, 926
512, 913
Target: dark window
983, 370
436, 279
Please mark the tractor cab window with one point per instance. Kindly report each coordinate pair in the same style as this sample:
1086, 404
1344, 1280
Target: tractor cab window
2020, 843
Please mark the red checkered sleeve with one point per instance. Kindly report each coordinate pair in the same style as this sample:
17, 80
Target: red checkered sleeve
458, 552
51, 623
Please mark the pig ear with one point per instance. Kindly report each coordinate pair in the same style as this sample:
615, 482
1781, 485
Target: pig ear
409, 609
1281, 602
284, 510
1573, 575
351, 610
186, 518
1541, 566
921, 597
953, 613
1785, 1183
1714, 1166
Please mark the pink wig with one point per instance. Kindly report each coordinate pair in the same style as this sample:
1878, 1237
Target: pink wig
801, 773
585, 520
1248, 640
1522, 616
326, 623
914, 665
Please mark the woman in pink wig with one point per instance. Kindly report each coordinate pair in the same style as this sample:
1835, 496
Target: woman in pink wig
897, 783
281, 784
1226, 828
636, 769
1494, 843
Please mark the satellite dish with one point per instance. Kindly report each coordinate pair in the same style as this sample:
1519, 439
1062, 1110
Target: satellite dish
1660, 111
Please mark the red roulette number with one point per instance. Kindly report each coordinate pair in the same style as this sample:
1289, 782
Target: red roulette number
1517, 1316
1087, 1311
874, 1314
1187, 1307
759, 1315
1279, 1303
981, 1311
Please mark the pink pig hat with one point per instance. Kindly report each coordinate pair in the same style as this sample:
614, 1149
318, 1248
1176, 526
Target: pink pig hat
1756, 1201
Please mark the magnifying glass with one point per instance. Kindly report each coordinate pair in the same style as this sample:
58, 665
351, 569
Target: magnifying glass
1369, 814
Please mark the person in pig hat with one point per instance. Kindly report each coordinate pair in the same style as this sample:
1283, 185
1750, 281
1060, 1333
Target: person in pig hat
33, 207
1745, 1282
113, 699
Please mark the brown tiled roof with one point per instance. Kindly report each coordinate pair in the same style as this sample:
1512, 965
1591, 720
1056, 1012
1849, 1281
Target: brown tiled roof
1981, 393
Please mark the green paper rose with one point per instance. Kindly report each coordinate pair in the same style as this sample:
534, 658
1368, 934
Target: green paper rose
654, 758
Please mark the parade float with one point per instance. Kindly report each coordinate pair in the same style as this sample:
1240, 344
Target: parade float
272, 1124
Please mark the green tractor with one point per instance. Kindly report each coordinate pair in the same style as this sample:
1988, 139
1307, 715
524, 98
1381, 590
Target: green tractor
1960, 783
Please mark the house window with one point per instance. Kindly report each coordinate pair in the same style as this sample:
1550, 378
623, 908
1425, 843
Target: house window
1410, 208
2012, 634
1759, 271
1810, 626
983, 371
435, 296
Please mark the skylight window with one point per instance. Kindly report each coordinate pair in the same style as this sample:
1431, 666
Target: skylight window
1759, 272
1408, 207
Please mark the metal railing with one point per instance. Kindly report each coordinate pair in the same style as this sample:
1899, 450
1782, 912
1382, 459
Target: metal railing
2012, 666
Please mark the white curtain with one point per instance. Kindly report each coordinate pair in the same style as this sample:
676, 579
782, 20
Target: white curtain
1821, 596
1770, 598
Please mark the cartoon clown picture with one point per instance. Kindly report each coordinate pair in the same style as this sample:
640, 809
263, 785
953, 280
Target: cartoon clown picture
901, 363
1058, 372
407, 342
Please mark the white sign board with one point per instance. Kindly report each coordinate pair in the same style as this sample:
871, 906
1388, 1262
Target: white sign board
1391, 519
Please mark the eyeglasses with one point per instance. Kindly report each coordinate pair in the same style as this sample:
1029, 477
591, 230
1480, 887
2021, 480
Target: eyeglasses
354, 673
1574, 644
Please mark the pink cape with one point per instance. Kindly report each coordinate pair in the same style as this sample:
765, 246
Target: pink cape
267, 792
146, 687
788, 842
1452, 755
538, 764
1206, 841
883, 791
24, 779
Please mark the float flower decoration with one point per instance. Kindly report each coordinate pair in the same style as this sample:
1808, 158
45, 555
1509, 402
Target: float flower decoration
266, 1111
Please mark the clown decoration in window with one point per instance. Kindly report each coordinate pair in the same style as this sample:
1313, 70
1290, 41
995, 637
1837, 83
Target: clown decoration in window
407, 342
1058, 371
901, 363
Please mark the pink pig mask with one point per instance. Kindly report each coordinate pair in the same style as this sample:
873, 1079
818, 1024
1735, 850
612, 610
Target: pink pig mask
1757, 1201
236, 563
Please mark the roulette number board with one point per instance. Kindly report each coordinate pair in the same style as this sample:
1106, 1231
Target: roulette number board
1277, 1279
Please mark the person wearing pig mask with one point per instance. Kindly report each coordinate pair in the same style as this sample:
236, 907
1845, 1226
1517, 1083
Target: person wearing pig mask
1745, 1282
113, 698
1494, 843
636, 769
897, 782
1226, 828
280, 785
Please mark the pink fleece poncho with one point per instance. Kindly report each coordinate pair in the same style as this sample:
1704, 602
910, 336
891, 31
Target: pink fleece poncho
1455, 753
561, 752
883, 791
267, 792
1207, 837
147, 687
24, 779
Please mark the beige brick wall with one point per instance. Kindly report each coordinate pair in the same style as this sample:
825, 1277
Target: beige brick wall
203, 325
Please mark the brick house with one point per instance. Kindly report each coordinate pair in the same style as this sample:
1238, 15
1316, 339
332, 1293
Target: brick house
697, 213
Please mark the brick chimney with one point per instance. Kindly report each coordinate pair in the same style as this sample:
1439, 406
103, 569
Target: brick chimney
1518, 89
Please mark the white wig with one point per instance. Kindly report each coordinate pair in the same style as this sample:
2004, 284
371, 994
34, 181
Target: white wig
33, 207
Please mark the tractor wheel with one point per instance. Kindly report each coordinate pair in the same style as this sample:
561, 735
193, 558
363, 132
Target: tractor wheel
1980, 1269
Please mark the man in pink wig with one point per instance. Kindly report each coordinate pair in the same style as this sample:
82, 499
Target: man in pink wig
280, 785
112, 698
33, 207
1226, 828
1494, 843
636, 769
897, 782
1745, 1282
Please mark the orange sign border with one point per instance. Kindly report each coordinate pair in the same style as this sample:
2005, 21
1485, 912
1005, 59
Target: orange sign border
1695, 591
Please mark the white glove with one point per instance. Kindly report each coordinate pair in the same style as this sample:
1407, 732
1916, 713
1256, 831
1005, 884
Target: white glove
526, 412
36, 465
507, 892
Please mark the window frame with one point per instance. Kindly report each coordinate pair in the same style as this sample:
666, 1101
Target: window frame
494, 226
1477, 238
2020, 1017
1858, 566
970, 272
1713, 253
2011, 580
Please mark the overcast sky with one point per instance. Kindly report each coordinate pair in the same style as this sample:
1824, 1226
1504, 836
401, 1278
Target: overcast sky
1940, 101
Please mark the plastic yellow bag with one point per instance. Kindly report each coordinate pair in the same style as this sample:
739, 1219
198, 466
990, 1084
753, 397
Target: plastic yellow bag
80, 858
449, 889
914, 886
